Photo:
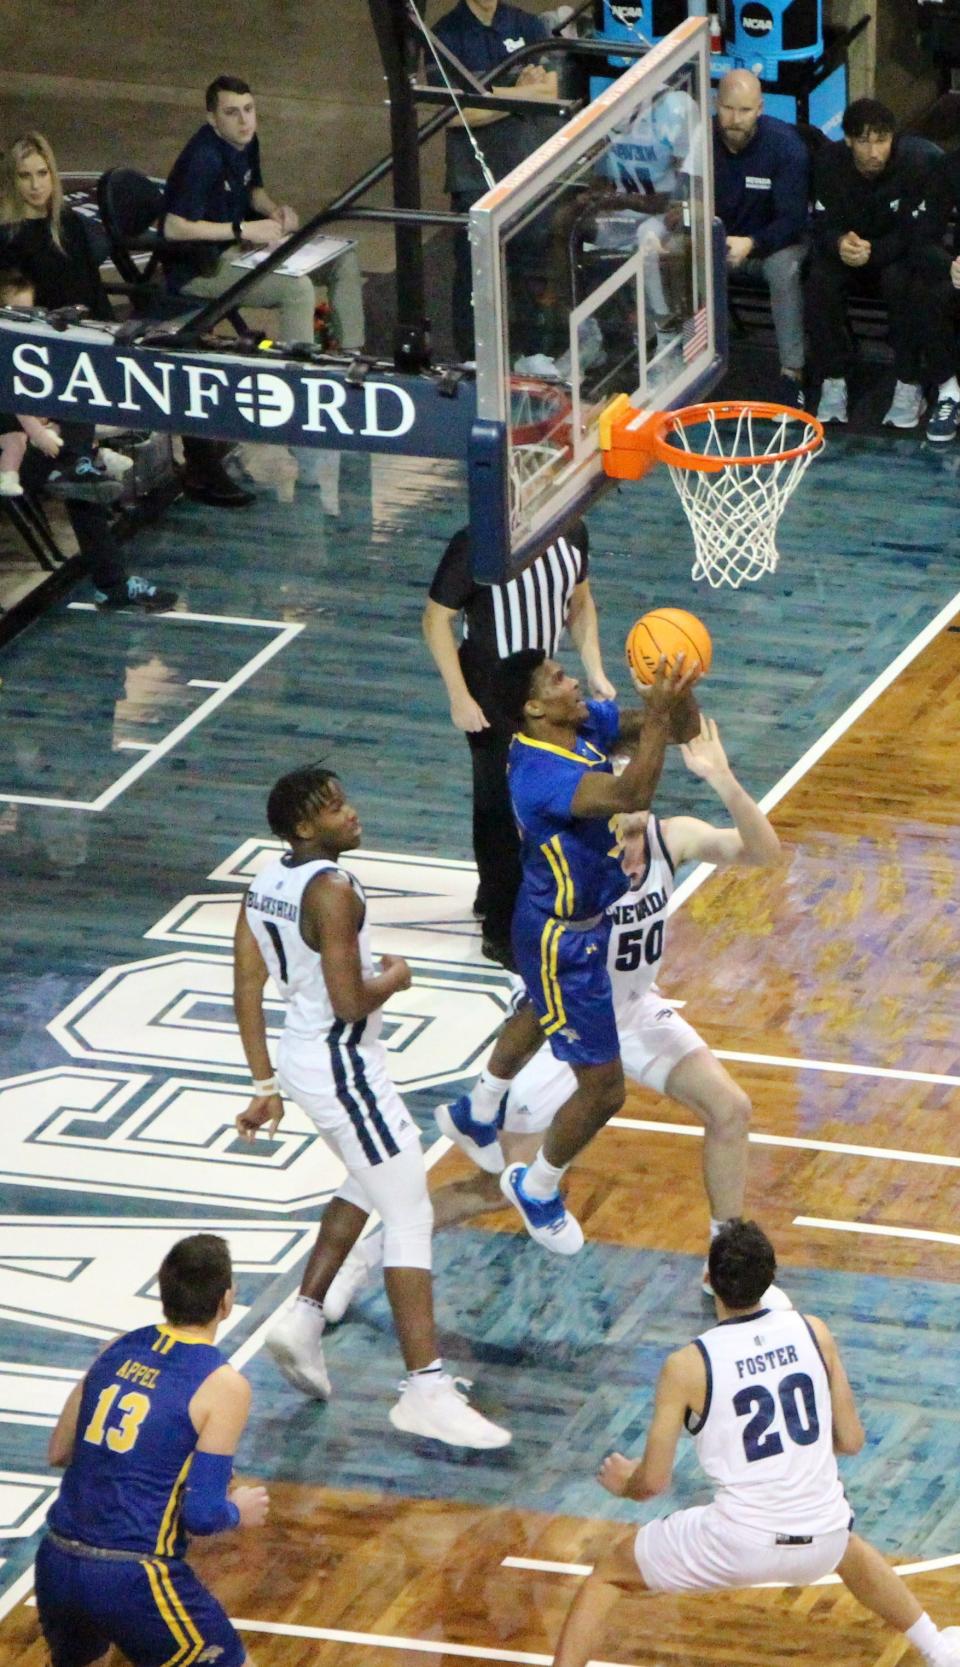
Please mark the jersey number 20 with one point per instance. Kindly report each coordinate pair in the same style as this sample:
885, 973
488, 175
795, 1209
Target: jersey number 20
759, 1441
120, 1437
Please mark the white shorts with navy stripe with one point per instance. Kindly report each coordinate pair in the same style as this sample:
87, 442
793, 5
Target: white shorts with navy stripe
702, 1550
344, 1087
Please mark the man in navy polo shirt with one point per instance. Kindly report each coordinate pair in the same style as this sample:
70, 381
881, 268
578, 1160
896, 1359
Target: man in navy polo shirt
481, 34
761, 180
215, 200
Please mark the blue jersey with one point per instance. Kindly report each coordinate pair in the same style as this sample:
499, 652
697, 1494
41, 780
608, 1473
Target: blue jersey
571, 867
123, 1487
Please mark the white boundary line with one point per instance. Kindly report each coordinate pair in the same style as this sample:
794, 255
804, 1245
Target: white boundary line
840, 1068
877, 1230
386, 1641
793, 1142
285, 633
813, 754
541, 1566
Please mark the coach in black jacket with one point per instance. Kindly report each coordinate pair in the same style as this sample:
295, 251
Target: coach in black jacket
865, 189
936, 291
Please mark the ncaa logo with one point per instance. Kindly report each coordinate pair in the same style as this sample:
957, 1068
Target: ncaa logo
629, 16
756, 19
265, 400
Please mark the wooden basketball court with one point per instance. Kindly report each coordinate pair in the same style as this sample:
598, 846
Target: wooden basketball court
830, 987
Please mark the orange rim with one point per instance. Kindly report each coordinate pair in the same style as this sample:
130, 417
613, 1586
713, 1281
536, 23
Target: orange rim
687, 416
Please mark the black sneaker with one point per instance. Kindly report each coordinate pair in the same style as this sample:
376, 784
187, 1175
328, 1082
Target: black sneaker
494, 949
85, 479
790, 392
137, 593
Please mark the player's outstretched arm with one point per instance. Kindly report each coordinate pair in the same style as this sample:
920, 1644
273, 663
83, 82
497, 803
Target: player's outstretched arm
752, 842
331, 913
633, 789
218, 1412
848, 1432
682, 1384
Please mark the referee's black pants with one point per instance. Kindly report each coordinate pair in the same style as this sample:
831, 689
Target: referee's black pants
496, 844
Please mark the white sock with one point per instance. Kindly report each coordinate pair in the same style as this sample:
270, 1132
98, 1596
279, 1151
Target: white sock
948, 390
715, 1228
542, 1180
426, 1377
924, 1636
311, 1314
485, 1096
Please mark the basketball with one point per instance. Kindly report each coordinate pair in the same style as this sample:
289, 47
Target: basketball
668, 631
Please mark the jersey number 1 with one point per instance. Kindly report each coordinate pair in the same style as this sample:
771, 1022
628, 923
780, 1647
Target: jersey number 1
759, 1441
120, 1437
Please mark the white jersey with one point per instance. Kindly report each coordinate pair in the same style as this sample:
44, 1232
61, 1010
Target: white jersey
272, 907
638, 923
655, 151
765, 1440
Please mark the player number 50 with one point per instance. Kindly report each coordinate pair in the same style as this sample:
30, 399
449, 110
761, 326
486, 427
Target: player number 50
759, 1441
632, 949
120, 1437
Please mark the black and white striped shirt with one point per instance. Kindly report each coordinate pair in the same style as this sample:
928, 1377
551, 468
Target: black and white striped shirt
527, 612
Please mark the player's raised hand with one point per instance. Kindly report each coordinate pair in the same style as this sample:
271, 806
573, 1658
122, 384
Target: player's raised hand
263, 1109
253, 1503
703, 754
395, 964
615, 1473
671, 694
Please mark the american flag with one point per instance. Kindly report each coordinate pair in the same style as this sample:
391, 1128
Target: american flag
694, 335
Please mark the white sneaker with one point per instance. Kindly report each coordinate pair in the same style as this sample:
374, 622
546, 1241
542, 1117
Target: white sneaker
539, 365
480, 1141
949, 1654
295, 1347
10, 484
435, 1406
833, 400
356, 1271
547, 1220
116, 463
906, 407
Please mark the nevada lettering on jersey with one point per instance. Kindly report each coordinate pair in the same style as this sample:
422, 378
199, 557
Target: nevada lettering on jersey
649, 904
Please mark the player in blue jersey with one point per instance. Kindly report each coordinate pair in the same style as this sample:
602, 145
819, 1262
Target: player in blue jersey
566, 800
147, 1442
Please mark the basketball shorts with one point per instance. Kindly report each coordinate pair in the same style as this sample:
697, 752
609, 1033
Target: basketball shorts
701, 1550
154, 1609
564, 969
346, 1090
653, 1039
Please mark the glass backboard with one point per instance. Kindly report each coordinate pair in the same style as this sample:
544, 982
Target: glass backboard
595, 273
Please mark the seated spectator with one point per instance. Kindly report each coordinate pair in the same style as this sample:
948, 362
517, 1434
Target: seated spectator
48, 241
16, 290
481, 34
865, 190
216, 201
761, 180
935, 297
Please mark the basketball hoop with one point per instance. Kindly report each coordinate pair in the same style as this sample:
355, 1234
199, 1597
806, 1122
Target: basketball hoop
540, 439
734, 465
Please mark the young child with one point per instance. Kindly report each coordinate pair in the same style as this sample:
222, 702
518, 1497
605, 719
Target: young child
17, 290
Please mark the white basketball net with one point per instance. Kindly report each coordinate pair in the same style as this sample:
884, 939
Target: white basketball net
734, 513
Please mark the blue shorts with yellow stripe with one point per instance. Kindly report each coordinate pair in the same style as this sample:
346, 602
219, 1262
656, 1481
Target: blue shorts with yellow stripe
153, 1608
564, 968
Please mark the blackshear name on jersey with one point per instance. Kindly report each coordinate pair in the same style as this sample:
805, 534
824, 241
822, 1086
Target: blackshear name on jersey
273, 906
638, 922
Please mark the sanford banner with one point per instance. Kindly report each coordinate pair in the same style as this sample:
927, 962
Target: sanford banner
83, 375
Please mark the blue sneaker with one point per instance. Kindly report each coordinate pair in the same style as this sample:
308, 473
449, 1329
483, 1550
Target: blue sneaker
547, 1220
480, 1141
942, 426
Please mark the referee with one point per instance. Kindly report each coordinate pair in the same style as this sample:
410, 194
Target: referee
499, 620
